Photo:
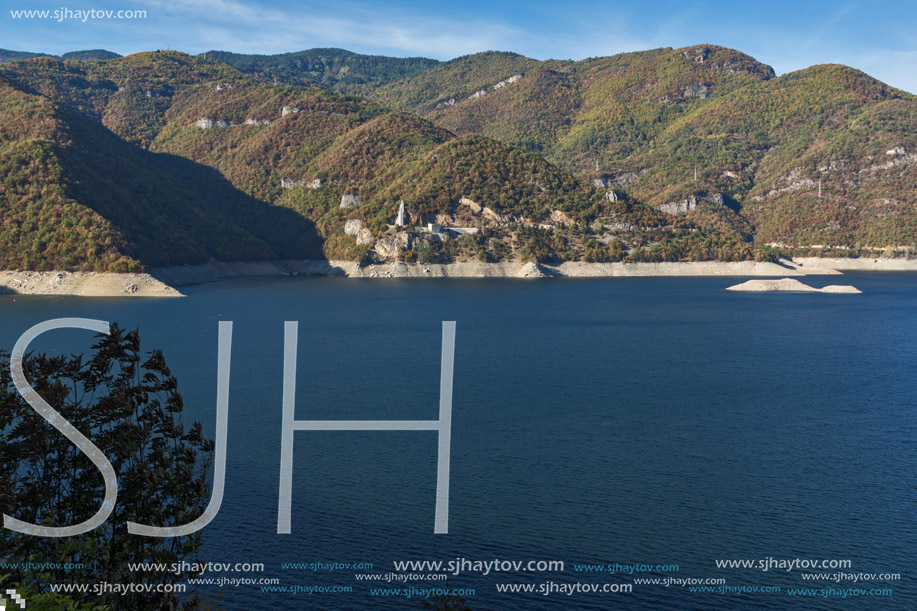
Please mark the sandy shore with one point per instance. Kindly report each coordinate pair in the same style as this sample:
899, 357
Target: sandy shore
159, 282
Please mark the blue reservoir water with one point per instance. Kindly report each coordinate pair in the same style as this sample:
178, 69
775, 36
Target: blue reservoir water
634, 421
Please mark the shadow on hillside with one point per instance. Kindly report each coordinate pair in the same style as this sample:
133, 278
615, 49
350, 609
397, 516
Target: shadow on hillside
732, 203
288, 233
174, 211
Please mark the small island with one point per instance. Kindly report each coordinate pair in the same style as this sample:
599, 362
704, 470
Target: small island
790, 285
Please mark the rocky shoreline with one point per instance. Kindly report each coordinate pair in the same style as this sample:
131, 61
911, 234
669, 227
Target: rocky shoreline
159, 282
84, 284
196, 274
183, 275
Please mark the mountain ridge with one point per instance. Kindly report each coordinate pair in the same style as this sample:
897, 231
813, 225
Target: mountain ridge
7, 55
668, 154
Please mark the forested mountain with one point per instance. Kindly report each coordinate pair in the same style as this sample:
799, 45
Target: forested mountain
73, 195
9, 56
161, 158
334, 69
698, 153
677, 128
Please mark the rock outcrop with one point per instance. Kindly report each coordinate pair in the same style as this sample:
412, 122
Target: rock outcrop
790, 285
350, 199
561, 219
697, 91
390, 246
355, 227
691, 203
513, 79
475, 207
531, 270
609, 181
364, 236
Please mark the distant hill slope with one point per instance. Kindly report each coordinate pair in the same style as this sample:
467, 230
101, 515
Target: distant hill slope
823, 157
334, 69
9, 56
75, 196
452, 82
128, 95
647, 122
132, 142
99, 54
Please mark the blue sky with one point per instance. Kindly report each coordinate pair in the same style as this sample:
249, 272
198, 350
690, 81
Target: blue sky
877, 36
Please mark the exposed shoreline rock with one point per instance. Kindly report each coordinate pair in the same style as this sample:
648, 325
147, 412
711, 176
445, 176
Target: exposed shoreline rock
159, 282
531, 270
84, 284
790, 285
183, 275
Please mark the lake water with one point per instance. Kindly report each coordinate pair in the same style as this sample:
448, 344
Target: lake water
659, 421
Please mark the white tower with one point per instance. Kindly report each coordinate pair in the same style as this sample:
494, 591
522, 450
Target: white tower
399, 222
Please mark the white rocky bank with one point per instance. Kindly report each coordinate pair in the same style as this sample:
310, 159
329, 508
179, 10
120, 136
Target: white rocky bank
85, 284
159, 282
194, 274
790, 285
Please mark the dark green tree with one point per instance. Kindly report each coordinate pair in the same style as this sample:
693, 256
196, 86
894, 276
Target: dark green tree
129, 405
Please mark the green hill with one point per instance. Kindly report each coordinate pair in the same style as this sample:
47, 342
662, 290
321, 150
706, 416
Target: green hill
646, 122
100, 54
334, 69
455, 80
277, 142
555, 159
128, 95
75, 196
10, 56
681, 129
183, 159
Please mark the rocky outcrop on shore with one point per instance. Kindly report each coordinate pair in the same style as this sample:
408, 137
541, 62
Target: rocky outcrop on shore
86, 284
531, 270
790, 285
